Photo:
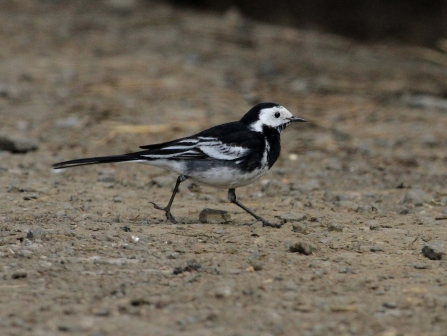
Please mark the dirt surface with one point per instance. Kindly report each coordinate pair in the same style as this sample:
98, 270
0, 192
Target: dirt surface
362, 186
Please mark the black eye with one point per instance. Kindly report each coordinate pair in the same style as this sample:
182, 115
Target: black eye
277, 114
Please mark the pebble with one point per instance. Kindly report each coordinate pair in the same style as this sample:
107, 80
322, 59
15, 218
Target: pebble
223, 292
421, 266
300, 228
106, 175
36, 233
377, 248
17, 145
349, 205
214, 216
426, 220
30, 197
416, 197
390, 305
117, 199
19, 274
303, 247
293, 217
435, 250
426, 101
69, 122
334, 227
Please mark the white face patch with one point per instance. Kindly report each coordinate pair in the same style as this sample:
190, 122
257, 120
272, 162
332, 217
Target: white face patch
276, 117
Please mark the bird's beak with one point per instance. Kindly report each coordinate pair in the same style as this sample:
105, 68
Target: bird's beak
297, 119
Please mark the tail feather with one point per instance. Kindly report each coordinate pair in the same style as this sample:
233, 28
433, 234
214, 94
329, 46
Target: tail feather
94, 160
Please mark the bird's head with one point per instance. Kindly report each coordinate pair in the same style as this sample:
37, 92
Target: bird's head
269, 115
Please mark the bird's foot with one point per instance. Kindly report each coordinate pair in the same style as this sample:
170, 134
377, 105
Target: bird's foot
167, 212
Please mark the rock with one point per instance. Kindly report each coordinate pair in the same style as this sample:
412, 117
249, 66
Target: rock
349, 205
390, 305
303, 247
421, 266
416, 197
36, 233
17, 145
293, 217
214, 216
106, 175
334, 227
223, 292
300, 228
435, 250
19, 274
69, 122
117, 199
377, 248
31, 196
426, 220
426, 101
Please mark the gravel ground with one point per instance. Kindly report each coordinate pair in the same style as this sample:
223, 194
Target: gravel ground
361, 188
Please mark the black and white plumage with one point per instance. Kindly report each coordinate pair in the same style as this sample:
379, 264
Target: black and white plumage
226, 156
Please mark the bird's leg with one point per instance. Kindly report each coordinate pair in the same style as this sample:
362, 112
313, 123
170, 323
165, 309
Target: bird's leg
167, 209
232, 198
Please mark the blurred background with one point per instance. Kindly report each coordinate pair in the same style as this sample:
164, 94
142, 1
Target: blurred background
84, 77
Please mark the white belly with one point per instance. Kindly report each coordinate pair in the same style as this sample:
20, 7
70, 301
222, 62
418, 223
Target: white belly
226, 178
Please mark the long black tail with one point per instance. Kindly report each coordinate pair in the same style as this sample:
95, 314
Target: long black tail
95, 160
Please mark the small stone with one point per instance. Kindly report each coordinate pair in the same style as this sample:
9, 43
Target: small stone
19, 274
36, 233
426, 220
421, 266
293, 217
390, 305
334, 227
223, 292
434, 250
349, 205
214, 216
376, 248
300, 228
17, 145
416, 197
29, 197
69, 122
303, 247
106, 175
61, 213
117, 199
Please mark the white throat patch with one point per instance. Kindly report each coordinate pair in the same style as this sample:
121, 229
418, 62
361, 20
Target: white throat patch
276, 117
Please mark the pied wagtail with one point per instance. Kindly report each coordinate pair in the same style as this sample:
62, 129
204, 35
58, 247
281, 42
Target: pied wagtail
226, 156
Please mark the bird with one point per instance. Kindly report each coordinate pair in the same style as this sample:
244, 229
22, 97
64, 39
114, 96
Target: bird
226, 156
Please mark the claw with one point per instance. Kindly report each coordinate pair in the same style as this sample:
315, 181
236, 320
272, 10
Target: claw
167, 212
